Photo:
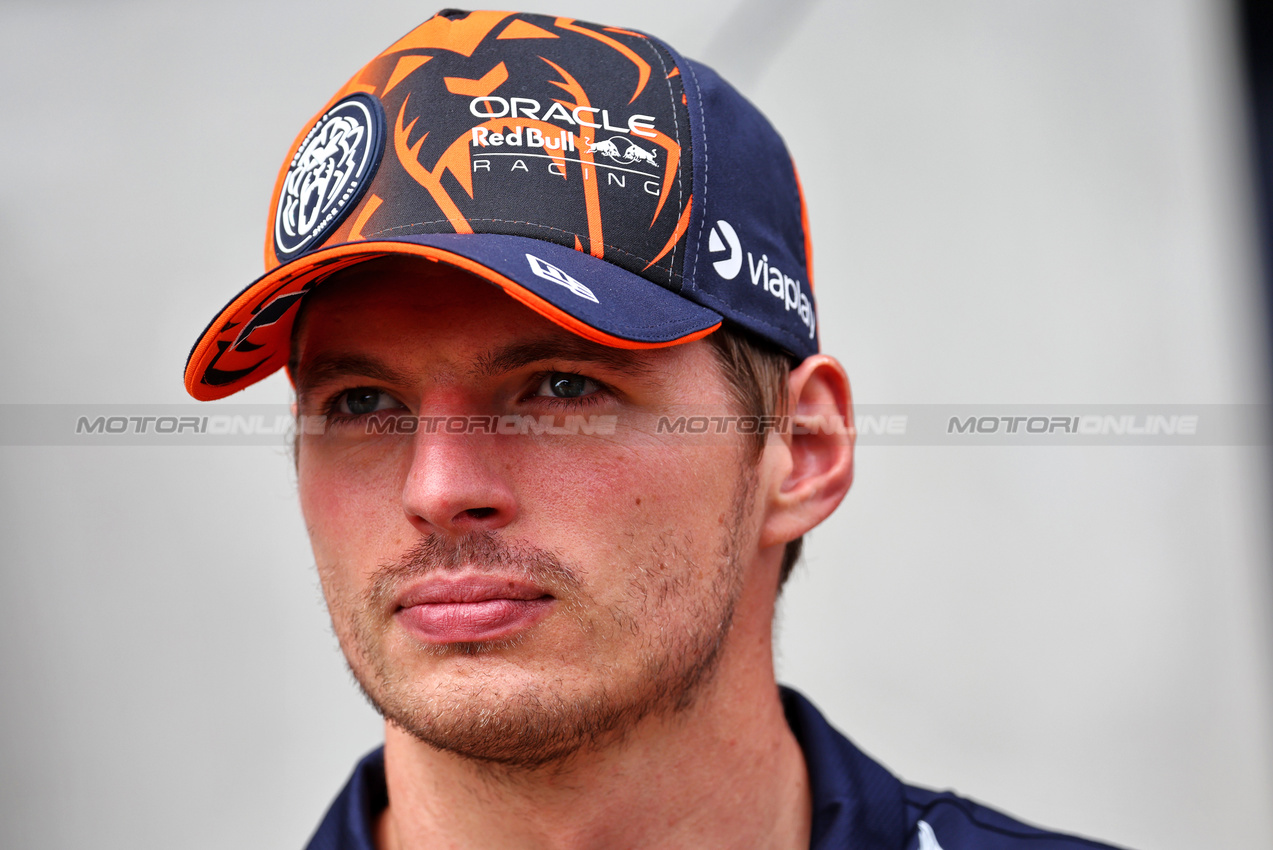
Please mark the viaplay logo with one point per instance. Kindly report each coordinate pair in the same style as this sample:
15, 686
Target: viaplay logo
729, 267
328, 174
787, 289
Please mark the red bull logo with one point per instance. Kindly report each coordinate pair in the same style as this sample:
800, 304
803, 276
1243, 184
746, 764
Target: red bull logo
633, 153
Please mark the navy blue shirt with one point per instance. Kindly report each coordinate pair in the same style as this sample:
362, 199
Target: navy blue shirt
856, 804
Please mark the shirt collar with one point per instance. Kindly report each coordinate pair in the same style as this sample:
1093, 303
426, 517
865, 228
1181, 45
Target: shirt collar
856, 802
350, 823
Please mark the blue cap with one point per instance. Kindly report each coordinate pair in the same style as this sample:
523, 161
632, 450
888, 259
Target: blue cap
628, 194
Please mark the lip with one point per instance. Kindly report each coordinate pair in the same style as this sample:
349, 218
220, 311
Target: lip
467, 609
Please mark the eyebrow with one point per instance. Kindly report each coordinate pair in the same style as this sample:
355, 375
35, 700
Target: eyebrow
325, 367
519, 354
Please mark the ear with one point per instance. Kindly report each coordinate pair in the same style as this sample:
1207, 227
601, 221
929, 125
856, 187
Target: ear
812, 468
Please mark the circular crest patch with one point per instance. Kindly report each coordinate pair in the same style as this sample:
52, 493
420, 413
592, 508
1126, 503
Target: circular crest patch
329, 172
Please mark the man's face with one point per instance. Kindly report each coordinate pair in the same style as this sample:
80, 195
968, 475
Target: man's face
514, 597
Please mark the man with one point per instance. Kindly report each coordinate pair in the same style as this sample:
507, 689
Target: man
544, 291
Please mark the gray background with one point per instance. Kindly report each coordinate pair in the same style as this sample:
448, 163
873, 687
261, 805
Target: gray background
1012, 202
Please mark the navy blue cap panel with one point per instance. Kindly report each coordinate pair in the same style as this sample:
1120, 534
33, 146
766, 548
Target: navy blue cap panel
597, 293
745, 251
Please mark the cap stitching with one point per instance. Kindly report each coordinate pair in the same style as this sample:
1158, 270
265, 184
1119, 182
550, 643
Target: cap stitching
676, 129
608, 247
707, 296
702, 219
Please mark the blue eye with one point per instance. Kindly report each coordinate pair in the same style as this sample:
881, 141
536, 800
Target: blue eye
363, 400
566, 385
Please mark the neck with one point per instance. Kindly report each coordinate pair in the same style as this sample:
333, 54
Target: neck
725, 772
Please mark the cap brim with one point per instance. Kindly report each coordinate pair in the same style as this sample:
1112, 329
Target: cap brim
595, 299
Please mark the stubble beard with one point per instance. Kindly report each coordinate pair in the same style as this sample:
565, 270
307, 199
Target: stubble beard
543, 723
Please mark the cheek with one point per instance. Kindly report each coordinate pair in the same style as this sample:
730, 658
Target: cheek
352, 507
617, 500
599, 501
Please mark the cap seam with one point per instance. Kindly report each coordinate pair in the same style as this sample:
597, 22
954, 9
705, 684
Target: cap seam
702, 219
777, 329
676, 129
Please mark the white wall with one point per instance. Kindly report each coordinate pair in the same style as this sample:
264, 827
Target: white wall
1012, 203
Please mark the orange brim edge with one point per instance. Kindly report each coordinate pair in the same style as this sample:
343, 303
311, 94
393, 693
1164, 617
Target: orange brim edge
239, 310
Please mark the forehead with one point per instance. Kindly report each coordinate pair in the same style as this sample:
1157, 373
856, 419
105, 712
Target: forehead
406, 307
393, 287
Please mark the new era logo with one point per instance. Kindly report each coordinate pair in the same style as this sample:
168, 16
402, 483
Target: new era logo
548, 271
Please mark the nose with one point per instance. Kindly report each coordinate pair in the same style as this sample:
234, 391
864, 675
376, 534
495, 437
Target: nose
458, 484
